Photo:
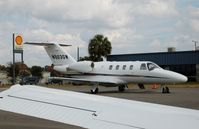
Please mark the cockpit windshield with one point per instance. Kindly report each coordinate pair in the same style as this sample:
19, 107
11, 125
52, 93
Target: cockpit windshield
152, 66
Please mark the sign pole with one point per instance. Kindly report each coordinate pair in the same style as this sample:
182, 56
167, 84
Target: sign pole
17, 48
13, 58
22, 57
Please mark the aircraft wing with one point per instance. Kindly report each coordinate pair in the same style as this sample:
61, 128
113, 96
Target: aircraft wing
94, 79
95, 112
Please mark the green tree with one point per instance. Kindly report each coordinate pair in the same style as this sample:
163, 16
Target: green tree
21, 69
2, 67
86, 58
36, 71
99, 47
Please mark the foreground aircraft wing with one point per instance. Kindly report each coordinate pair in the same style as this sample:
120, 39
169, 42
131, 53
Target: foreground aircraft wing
94, 79
95, 112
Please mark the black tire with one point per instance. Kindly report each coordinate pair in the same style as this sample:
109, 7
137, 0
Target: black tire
121, 88
94, 91
163, 90
141, 86
167, 90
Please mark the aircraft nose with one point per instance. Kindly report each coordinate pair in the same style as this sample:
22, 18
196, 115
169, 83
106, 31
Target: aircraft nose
175, 77
181, 78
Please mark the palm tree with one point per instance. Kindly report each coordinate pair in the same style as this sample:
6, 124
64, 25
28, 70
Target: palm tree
99, 47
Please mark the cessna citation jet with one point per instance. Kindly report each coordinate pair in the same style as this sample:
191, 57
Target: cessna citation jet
108, 73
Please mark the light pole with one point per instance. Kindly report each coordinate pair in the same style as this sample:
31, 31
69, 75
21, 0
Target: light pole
195, 42
78, 53
197, 65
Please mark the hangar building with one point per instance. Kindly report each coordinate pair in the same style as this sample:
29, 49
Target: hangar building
184, 62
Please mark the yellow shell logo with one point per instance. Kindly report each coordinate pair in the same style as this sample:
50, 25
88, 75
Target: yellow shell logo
18, 40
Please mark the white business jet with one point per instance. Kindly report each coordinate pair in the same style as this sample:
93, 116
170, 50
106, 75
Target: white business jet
108, 73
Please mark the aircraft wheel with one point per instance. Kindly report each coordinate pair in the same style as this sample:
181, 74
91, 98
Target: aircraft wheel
165, 90
141, 86
121, 88
94, 91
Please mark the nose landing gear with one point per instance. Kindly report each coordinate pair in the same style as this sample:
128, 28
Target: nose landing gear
165, 89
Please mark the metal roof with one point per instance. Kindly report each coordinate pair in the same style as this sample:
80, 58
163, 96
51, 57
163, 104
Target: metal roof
161, 58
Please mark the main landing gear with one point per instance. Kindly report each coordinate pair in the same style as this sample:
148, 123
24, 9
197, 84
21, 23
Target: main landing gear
121, 88
165, 90
141, 86
95, 89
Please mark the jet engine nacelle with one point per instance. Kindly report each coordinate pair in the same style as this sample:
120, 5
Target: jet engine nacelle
62, 69
84, 66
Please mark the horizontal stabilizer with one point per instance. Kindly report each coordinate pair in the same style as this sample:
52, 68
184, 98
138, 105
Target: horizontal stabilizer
45, 44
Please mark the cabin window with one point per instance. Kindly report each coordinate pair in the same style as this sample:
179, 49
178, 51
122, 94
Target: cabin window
124, 67
110, 67
131, 67
143, 66
117, 67
151, 66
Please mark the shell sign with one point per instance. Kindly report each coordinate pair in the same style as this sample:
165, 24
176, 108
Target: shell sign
18, 42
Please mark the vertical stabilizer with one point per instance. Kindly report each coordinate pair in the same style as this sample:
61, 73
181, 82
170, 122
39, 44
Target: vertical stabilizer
58, 56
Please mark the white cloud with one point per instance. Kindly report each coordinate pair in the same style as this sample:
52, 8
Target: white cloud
160, 8
122, 39
181, 42
106, 11
195, 24
194, 18
194, 11
41, 35
131, 25
156, 45
123, 36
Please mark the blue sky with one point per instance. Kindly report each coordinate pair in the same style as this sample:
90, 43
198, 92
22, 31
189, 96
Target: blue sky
133, 26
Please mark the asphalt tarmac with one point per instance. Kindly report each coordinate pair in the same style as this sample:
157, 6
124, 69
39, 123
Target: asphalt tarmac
180, 97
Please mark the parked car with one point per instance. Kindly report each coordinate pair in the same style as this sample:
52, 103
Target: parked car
29, 80
55, 81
